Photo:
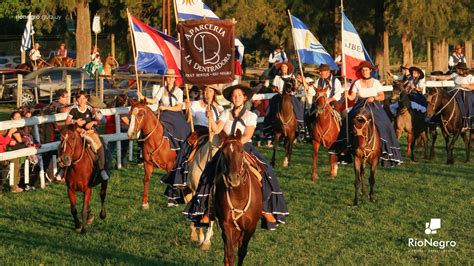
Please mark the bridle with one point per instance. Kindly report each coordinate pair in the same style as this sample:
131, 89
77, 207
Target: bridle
433, 106
369, 147
319, 111
64, 144
236, 213
138, 126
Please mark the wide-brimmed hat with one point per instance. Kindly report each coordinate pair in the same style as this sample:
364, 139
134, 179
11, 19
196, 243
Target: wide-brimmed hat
289, 65
324, 67
417, 69
95, 102
170, 73
228, 91
458, 46
366, 64
37, 44
461, 65
215, 87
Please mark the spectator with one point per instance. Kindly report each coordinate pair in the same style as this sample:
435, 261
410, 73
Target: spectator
15, 144
4, 142
62, 51
455, 58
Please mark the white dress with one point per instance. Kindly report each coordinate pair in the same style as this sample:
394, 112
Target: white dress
250, 119
161, 99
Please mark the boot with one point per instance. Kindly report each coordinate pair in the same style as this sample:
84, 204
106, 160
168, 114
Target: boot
268, 221
104, 175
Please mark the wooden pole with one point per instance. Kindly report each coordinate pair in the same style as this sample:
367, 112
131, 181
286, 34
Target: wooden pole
36, 90
82, 81
50, 95
68, 88
344, 73
163, 16
96, 81
96, 39
112, 44
134, 50
299, 59
186, 88
118, 143
169, 17
23, 57
19, 90
101, 87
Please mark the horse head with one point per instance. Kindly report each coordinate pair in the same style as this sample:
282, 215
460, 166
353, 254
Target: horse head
364, 126
435, 99
321, 100
289, 87
137, 116
232, 160
121, 100
70, 147
110, 60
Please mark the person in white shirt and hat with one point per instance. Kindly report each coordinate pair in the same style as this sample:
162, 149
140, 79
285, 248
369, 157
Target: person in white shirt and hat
35, 56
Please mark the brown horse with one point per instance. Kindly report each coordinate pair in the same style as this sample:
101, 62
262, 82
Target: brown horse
78, 159
110, 64
367, 150
54, 61
69, 62
157, 151
326, 128
442, 104
238, 198
285, 124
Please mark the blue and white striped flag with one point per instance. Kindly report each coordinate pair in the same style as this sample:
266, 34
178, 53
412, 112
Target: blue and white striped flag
311, 51
29, 31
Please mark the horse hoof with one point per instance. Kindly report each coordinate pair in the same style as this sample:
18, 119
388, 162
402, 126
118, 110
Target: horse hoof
205, 246
285, 162
103, 215
332, 177
314, 178
194, 237
83, 231
79, 229
90, 219
145, 206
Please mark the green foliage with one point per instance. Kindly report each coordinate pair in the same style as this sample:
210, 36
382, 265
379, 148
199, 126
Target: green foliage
323, 227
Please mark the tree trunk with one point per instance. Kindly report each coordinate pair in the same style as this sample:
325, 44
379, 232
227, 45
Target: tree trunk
407, 50
337, 31
379, 38
83, 32
468, 53
386, 52
437, 63
428, 56
445, 55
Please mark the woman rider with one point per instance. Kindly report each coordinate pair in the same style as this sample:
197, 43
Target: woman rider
417, 89
169, 100
368, 93
231, 120
87, 118
177, 178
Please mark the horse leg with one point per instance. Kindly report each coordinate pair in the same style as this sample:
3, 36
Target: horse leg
194, 236
424, 140
316, 144
228, 244
373, 170
201, 235
206, 245
276, 139
103, 194
362, 178
288, 149
333, 163
434, 136
357, 170
73, 202
466, 136
244, 246
410, 144
451, 148
146, 181
90, 215
85, 207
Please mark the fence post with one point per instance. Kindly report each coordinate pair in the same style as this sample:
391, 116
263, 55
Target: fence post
119, 143
19, 90
112, 44
130, 150
23, 57
50, 95
27, 171
68, 88
12, 173
55, 167
41, 173
82, 81
96, 81
101, 88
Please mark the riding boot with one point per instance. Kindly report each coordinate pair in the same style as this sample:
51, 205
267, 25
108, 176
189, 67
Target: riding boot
268, 222
103, 172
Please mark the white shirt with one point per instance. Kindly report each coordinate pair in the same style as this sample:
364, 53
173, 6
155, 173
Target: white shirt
277, 57
250, 120
458, 81
461, 57
35, 54
279, 82
199, 113
161, 99
338, 89
421, 84
367, 92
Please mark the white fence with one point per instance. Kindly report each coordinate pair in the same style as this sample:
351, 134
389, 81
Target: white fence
117, 137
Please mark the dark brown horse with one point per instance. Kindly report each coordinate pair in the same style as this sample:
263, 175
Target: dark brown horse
157, 151
285, 124
78, 160
54, 61
326, 128
445, 105
238, 198
68, 62
367, 150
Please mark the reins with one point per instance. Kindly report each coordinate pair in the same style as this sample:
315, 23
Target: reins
359, 132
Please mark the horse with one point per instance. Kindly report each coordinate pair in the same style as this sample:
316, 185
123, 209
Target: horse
78, 159
368, 148
442, 104
55, 61
238, 202
326, 128
157, 150
285, 124
68, 62
109, 64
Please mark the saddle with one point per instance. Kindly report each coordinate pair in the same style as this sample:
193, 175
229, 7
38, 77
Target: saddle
255, 166
196, 140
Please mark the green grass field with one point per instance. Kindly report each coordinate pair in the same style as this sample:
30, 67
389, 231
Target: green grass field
323, 227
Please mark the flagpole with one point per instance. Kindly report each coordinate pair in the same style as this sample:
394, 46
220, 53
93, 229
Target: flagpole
299, 59
344, 72
133, 49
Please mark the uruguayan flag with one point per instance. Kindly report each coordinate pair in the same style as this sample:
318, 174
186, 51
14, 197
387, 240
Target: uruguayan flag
196, 9
26, 38
311, 51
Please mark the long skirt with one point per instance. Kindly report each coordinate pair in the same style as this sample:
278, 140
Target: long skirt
273, 200
465, 101
176, 128
391, 153
298, 109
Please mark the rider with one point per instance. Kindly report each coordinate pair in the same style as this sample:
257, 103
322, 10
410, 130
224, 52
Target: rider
368, 93
463, 90
87, 118
455, 58
35, 56
276, 57
169, 100
285, 74
335, 89
406, 76
417, 89
231, 120
62, 51
177, 178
